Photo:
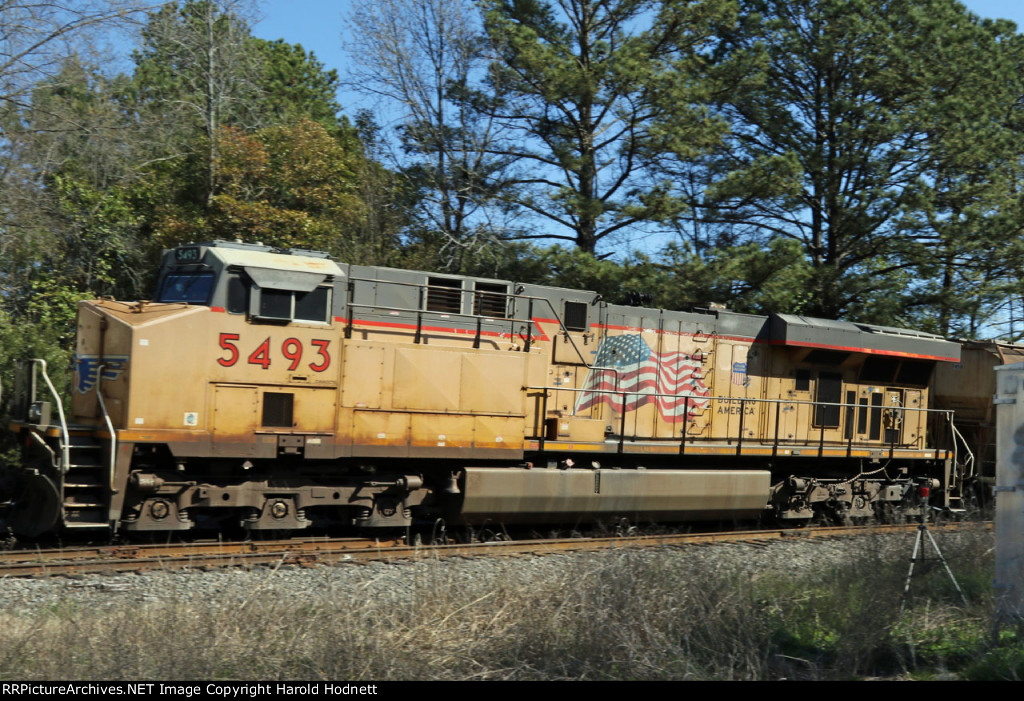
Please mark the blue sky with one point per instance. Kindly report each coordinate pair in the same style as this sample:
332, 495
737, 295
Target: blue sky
1003, 9
318, 25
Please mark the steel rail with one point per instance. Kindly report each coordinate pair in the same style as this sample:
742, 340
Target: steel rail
322, 551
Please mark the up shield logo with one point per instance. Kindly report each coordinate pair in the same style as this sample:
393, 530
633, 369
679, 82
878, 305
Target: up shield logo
87, 370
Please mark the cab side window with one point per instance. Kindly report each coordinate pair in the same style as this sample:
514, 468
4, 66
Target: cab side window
313, 306
293, 305
238, 293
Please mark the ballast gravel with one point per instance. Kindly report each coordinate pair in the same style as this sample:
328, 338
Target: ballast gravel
396, 581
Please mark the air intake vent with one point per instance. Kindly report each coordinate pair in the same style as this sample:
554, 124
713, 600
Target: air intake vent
575, 318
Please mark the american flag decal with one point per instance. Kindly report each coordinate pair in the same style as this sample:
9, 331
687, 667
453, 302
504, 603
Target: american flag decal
646, 372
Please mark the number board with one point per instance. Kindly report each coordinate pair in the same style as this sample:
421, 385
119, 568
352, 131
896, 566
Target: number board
187, 254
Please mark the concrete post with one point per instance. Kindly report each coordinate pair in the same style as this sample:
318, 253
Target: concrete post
1009, 493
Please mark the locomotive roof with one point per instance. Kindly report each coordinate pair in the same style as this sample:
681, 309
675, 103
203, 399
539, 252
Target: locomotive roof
293, 269
795, 330
269, 268
277, 261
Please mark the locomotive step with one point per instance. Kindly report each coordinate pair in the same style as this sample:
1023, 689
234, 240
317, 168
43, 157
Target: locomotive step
82, 513
83, 443
69, 503
80, 483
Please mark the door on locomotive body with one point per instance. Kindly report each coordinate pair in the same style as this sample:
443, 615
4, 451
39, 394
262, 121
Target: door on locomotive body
880, 415
795, 416
827, 412
914, 376
886, 412
279, 417
573, 341
891, 417
787, 389
236, 412
822, 383
571, 348
807, 390
914, 422
776, 387
739, 370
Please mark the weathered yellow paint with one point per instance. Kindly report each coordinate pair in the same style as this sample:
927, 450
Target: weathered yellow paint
235, 416
197, 370
427, 379
362, 383
379, 428
499, 432
441, 431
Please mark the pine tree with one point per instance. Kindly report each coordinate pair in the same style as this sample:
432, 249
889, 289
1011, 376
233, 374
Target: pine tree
840, 142
594, 92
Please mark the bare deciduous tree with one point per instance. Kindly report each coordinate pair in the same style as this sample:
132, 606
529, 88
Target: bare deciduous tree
196, 67
424, 58
36, 36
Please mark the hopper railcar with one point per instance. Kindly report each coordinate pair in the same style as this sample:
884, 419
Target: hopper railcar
968, 388
278, 389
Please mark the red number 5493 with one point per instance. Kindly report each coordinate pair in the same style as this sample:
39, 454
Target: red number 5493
291, 349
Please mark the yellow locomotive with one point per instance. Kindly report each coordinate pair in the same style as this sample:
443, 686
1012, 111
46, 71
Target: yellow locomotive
277, 389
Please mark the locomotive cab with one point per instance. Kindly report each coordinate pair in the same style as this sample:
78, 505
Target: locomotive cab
267, 285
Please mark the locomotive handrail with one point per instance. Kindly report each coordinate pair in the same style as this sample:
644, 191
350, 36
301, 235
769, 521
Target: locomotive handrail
734, 399
969, 462
65, 452
349, 305
777, 402
419, 318
482, 317
565, 331
110, 425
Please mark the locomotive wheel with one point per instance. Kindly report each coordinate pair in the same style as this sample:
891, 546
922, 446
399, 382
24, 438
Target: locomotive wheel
488, 535
623, 528
37, 509
439, 533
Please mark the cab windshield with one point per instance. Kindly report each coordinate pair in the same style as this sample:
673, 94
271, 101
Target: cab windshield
193, 288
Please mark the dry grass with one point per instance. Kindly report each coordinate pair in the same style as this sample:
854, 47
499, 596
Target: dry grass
623, 615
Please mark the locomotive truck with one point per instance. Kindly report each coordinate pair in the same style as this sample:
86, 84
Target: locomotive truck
278, 390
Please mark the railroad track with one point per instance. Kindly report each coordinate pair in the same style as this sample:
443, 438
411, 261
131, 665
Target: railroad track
311, 552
